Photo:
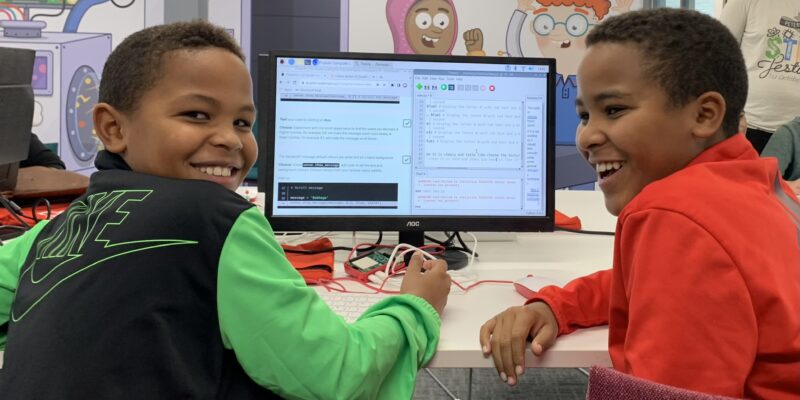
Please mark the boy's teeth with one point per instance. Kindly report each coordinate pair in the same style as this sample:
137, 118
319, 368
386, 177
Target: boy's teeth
216, 171
609, 166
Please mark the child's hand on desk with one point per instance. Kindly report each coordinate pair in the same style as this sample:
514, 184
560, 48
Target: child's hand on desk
504, 336
433, 285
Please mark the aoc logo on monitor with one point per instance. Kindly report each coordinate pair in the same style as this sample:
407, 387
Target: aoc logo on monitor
412, 224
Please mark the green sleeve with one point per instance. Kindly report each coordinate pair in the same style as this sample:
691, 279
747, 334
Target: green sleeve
12, 255
288, 340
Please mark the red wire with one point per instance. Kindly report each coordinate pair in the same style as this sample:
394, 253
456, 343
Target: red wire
10, 17
380, 288
432, 249
466, 289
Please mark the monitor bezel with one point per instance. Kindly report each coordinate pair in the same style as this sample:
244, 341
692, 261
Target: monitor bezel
267, 75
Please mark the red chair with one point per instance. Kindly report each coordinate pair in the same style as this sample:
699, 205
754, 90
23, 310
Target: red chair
608, 384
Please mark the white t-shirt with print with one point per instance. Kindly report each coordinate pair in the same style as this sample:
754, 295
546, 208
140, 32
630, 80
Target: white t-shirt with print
769, 34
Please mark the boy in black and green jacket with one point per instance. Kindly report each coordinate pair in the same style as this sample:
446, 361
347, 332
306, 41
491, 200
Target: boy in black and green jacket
161, 282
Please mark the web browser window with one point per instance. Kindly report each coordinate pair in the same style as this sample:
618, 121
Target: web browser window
391, 138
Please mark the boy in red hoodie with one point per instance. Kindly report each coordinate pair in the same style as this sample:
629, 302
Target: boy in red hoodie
704, 293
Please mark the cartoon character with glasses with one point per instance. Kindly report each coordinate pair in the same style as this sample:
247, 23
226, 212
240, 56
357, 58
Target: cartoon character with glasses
428, 27
576, 25
560, 28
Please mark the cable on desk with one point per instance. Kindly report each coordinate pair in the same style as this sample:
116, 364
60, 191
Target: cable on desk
47, 205
461, 241
585, 232
14, 211
449, 243
393, 268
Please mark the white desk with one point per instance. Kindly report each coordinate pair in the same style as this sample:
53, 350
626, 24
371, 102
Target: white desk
561, 256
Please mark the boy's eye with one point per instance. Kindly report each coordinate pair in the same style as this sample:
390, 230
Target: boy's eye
240, 123
583, 116
198, 115
614, 110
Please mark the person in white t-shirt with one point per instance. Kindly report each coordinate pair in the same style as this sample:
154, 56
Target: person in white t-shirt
768, 32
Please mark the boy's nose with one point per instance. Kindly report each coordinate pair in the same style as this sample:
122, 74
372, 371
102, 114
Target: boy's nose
588, 136
227, 137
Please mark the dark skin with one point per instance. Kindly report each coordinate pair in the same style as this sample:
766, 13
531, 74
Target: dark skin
427, 279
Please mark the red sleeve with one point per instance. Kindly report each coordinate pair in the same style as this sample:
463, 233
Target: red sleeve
690, 321
582, 303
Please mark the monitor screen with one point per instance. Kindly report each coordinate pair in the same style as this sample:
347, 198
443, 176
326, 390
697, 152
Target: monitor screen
406, 143
16, 111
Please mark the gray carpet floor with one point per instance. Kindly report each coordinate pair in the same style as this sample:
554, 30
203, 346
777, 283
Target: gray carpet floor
536, 383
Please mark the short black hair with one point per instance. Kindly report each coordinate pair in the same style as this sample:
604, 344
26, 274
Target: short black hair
686, 52
136, 64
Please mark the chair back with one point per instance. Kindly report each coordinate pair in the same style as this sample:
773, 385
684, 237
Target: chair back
608, 384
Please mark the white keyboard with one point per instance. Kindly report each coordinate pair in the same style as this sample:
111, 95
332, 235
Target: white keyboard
350, 305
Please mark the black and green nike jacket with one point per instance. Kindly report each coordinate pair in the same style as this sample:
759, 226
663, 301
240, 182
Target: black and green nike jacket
156, 288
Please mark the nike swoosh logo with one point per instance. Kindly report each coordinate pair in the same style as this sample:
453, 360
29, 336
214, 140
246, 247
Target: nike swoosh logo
61, 273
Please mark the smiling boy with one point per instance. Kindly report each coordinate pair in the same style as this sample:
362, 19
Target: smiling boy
705, 287
162, 283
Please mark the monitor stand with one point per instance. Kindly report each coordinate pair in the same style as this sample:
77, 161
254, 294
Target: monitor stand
455, 259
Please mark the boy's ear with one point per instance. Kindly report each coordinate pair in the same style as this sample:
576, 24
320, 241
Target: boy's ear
108, 125
710, 113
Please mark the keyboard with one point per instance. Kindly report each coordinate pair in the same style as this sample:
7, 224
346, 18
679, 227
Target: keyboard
350, 305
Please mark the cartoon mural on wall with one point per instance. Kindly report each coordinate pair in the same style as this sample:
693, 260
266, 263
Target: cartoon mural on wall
70, 56
506, 28
428, 27
516, 28
560, 28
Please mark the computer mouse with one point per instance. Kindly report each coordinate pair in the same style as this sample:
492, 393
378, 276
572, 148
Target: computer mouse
529, 285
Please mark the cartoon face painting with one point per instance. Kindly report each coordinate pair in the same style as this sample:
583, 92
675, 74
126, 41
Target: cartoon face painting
561, 33
560, 28
428, 27
422, 26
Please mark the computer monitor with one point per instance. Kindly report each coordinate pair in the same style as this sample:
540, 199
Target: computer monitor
408, 143
16, 111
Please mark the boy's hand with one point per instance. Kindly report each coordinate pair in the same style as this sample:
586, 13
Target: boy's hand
433, 285
504, 336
